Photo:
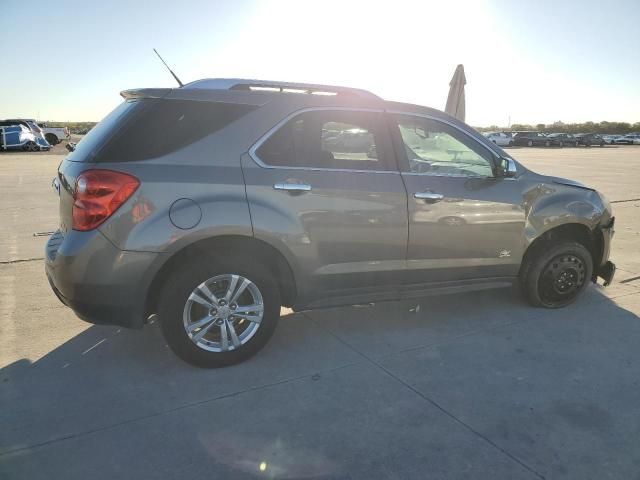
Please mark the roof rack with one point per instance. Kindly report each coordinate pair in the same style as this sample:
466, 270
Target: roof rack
281, 87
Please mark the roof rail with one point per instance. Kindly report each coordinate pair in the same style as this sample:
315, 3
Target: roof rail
275, 86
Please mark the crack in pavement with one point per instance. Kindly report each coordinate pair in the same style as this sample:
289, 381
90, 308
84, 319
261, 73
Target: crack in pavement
625, 201
21, 260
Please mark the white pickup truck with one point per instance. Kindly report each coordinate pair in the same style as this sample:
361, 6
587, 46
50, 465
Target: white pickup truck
53, 135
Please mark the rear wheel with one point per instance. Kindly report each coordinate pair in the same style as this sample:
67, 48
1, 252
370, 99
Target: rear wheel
530, 143
556, 275
547, 143
219, 314
52, 139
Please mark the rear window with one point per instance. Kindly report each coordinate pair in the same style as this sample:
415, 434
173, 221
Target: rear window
152, 128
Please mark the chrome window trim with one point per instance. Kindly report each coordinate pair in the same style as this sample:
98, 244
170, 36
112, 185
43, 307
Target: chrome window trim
445, 175
496, 154
253, 150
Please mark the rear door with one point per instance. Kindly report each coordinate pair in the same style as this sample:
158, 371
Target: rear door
464, 222
324, 186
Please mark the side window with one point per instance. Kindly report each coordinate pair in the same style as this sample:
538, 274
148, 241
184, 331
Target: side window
336, 139
435, 148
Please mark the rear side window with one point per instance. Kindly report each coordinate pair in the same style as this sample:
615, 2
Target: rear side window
98, 135
332, 139
164, 126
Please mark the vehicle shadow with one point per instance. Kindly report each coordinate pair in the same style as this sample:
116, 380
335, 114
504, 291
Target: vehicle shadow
107, 376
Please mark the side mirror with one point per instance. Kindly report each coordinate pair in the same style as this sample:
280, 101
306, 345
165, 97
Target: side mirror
507, 167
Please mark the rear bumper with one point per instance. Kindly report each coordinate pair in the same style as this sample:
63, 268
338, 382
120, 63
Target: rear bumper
99, 282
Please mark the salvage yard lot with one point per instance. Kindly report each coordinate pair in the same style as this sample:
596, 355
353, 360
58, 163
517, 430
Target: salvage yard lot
466, 386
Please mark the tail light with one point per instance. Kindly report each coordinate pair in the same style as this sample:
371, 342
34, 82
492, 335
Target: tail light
98, 194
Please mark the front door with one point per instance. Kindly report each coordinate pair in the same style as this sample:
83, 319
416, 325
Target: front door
464, 222
325, 187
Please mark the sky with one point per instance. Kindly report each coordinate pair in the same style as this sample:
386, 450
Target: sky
525, 62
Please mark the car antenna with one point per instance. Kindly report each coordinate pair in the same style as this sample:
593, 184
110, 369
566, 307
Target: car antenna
170, 71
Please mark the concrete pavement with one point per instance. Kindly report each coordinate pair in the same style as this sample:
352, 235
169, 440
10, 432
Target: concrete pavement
468, 386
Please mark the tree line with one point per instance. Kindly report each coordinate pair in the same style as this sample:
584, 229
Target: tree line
613, 128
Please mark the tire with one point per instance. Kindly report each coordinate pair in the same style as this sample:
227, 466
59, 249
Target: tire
547, 143
510, 143
530, 143
31, 147
561, 144
176, 309
570, 266
52, 139
577, 144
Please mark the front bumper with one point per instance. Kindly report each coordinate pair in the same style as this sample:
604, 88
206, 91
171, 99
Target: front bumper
99, 282
606, 272
606, 269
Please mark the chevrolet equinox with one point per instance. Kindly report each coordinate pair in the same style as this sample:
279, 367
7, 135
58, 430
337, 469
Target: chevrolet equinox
213, 205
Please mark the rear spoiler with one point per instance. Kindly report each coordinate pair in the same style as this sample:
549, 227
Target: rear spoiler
145, 93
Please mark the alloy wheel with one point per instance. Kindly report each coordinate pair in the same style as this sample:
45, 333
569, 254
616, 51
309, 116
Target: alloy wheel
223, 313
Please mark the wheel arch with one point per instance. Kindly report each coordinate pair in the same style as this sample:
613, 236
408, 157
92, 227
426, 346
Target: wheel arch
591, 239
259, 250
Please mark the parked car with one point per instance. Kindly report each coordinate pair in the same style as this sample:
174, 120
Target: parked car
55, 135
178, 204
17, 137
589, 139
610, 139
564, 139
533, 139
631, 139
502, 139
39, 138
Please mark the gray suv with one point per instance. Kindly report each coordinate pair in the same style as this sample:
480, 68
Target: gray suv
213, 205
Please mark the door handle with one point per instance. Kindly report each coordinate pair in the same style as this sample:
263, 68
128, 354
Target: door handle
428, 196
293, 187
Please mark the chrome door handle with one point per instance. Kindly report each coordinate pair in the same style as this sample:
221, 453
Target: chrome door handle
430, 196
293, 187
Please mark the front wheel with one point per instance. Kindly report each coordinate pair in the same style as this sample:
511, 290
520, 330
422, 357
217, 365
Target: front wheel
219, 314
555, 276
31, 147
530, 143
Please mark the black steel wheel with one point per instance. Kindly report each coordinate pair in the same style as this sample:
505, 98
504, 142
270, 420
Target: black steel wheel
562, 277
553, 276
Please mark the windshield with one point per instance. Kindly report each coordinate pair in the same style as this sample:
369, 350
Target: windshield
35, 127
